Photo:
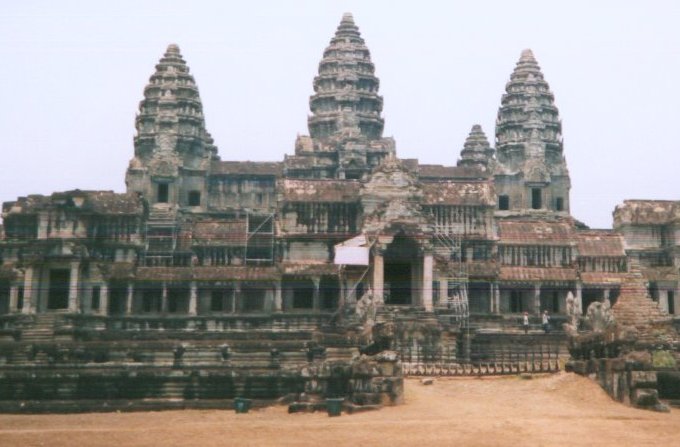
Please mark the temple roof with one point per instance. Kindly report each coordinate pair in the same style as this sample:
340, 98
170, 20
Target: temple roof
305, 190
248, 168
596, 243
647, 212
535, 233
530, 274
96, 202
459, 193
346, 100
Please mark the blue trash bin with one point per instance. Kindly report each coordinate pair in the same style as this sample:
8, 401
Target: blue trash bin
241, 405
334, 406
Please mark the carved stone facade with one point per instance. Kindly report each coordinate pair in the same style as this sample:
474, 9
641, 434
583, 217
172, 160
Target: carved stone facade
216, 246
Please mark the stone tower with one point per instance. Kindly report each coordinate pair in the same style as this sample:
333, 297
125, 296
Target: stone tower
477, 152
173, 150
531, 173
345, 127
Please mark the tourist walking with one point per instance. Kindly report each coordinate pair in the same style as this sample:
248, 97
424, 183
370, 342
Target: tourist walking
525, 322
546, 322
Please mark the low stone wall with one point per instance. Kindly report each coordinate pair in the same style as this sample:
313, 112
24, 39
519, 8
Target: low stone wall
628, 381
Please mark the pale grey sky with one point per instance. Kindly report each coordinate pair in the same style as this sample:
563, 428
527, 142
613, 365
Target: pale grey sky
73, 75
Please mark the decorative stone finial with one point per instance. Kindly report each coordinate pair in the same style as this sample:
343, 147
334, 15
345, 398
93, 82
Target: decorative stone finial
173, 49
527, 56
476, 151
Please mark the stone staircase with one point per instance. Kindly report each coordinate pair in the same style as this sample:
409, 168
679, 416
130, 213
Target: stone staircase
42, 330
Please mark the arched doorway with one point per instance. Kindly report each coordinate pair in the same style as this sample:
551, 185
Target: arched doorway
401, 275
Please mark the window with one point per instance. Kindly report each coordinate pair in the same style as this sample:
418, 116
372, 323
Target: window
536, 199
194, 198
503, 202
96, 297
162, 193
559, 204
671, 302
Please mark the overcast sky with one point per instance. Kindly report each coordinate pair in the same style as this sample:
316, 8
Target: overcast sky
73, 74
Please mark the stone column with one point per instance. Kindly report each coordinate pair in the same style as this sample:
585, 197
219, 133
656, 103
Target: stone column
663, 300
193, 298
443, 292
164, 298
236, 302
73, 286
278, 298
103, 299
13, 298
427, 281
497, 296
605, 294
129, 298
579, 298
378, 278
537, 298
316, 294
492, 298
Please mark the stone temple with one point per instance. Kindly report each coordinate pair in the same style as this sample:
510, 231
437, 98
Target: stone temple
212, 279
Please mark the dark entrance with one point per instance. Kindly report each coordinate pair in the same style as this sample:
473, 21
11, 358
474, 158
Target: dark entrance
57, 297
399, 258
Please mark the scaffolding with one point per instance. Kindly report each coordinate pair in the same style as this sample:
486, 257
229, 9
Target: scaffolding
161, 238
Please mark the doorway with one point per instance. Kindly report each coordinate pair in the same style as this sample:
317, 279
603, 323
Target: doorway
57, 297
400, 258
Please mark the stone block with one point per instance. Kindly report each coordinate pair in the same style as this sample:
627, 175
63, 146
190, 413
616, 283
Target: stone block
645, 397
643, 379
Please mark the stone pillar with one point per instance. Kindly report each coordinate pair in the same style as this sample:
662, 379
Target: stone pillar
492, 298
427, 282
579, 298
316, 294
236, 302
193, 298
103, 299
164, 298
443, 292
378, 278
13, 298
130, 297
537, 298
278, 298
73, 286
605, 294
663, 300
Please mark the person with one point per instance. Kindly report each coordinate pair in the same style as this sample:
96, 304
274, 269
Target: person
525, 322
546, 322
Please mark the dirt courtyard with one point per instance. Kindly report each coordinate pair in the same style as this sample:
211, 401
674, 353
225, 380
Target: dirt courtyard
557, 410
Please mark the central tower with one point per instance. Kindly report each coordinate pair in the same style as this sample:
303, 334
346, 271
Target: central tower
346, 126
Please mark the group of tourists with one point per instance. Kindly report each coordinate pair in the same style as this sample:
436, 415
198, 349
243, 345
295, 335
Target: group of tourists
545, 322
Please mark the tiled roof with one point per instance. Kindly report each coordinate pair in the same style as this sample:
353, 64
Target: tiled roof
530, 274
600, 244
647, 212
602, 278
222, 232
298, 190
535, 233
257, 168
459, 193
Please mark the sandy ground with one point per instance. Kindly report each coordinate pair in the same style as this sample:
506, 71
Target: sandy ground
556, 410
